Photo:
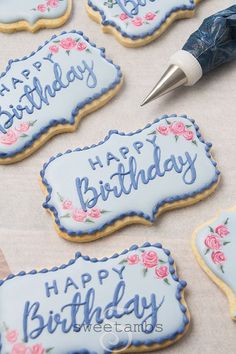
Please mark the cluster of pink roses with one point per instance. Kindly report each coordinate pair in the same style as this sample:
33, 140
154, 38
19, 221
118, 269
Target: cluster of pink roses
149, 260
67, 44
21, 348
49, 4
79, 215
12, 135
177, 128
138, 21
213, 242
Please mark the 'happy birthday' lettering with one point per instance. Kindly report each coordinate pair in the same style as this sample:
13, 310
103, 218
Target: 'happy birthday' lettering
36, 95
82, 310
128, 179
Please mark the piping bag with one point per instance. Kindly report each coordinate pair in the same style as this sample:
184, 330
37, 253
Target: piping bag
212, 45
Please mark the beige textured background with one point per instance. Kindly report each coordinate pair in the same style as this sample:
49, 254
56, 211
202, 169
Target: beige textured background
27, 237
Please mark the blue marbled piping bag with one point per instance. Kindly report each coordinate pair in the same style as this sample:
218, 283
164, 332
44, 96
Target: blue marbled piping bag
212, 45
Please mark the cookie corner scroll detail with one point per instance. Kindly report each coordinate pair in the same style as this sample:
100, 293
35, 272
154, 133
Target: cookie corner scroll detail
214, 246
128, 178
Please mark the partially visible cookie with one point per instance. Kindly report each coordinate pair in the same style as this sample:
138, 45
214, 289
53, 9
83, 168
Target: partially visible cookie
214, 245
130, 302
137, 23
31, 15
50, 90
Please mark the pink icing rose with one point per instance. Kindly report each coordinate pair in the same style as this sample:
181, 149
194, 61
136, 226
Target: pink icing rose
20, 348
11, 336
23, 127
37, 349
79, 215
53, 3
222, 230
163, 129
162, 272
149, 259
188, 134
68, 43
67, 205
150, 16
218, 257
123, 16
137, 21
178, 128
42, 8
212, 242
9, 138
81, 46
94, 213
54, 49
133, 259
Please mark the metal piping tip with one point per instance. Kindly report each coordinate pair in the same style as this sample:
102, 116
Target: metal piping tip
173, 77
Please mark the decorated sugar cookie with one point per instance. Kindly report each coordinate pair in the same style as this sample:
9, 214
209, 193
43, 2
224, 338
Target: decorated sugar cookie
132, 301
31, 15
214, 245
134, 22
128, 178
50, 90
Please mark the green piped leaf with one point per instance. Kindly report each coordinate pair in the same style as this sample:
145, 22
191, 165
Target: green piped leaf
65, 216
105, 211
153, 133
31, 124
161, 261
211, 229
60, 197
124, 261
89, 221
222, 269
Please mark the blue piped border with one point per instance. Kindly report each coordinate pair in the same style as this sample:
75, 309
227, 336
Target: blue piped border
181, 285
106, 22
46, 205
75, 111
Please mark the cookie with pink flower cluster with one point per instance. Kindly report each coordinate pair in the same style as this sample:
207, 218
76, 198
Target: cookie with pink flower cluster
136, 23
214, 245
34, 89
129, 178
80, 306
31, 15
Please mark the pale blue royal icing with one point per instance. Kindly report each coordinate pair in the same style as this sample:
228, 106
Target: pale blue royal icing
153, 175
33, 89
111, 14
27, 10
226, 271
45, 312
